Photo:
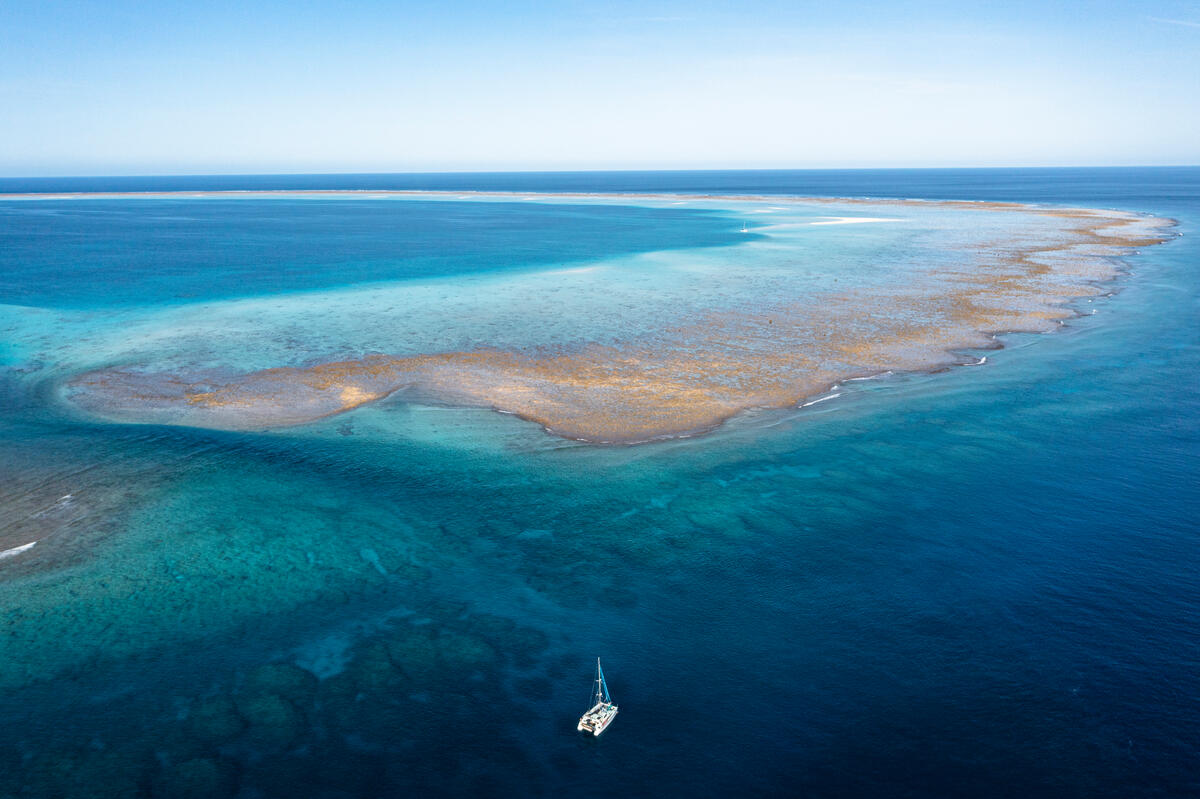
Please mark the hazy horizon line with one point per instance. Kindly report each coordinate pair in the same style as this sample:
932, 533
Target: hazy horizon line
333, 173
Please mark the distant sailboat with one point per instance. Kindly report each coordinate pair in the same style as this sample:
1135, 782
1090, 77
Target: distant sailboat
603, 711
745, 228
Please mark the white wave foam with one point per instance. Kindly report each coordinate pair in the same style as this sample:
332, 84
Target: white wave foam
821, 399
8, 553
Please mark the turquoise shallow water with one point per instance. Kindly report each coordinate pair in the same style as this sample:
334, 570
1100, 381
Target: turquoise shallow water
977, 582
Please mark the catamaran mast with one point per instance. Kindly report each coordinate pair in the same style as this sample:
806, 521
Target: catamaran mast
601, 688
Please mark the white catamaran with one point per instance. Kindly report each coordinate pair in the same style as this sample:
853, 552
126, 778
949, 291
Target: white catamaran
603, 710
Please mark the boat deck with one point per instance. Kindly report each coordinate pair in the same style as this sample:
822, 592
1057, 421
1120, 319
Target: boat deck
598, 718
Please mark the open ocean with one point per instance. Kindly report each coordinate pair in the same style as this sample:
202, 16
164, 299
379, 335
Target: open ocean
983, 582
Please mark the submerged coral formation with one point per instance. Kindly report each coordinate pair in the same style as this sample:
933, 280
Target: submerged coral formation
267, 733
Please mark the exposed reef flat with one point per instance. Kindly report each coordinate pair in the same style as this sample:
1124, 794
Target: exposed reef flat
769, 352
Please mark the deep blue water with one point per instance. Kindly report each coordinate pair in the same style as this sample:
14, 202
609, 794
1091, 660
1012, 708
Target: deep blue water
112, 252
980, 583
1112, 184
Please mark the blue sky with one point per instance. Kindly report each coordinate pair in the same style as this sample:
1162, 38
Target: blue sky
151, 88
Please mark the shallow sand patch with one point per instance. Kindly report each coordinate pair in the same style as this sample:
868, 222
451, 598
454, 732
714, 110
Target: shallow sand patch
853, 220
